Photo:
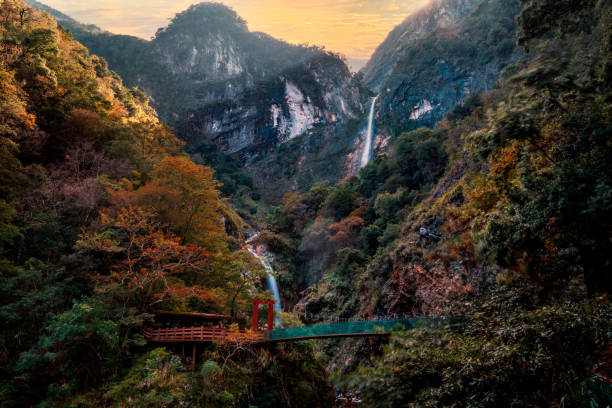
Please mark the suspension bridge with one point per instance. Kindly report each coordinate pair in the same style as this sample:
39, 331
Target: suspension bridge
368, 328
202, 334
340, 329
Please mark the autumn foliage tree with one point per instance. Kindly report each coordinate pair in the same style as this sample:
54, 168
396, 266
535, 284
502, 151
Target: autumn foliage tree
162, 240
184, 198
346, 232
149, 262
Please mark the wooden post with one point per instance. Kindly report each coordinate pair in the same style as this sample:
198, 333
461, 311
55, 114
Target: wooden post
270, 316
183, 351
255, 314
193, 358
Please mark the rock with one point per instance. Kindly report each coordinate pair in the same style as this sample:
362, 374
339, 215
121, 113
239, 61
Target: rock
215, 81
438, 13
439, 57
426, 233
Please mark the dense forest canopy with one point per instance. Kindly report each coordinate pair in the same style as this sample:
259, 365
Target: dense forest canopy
499, 215
103, 219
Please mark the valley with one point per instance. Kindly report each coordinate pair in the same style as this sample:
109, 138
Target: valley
431, 231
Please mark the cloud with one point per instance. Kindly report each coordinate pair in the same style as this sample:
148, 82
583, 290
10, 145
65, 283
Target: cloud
351, 27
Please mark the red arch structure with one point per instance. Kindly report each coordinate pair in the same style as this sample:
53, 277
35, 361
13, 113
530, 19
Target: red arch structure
255, 322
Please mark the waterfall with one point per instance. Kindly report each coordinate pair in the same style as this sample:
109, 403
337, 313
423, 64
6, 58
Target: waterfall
366, 155
272, 285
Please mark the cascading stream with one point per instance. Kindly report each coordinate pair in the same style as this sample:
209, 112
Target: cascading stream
272, 285
367, 154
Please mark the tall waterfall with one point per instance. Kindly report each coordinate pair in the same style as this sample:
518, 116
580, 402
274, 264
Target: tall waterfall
272, 285
366, 155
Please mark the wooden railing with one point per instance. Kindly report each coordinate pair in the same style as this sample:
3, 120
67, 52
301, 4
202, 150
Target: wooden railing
202, 334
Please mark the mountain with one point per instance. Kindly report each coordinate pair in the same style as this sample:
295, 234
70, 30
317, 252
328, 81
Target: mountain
206, 54
439, 13
214, 80
206, 46
441, 56
229, 91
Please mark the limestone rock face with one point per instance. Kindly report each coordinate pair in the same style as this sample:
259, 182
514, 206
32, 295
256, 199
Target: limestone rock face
439, 13
217, 82
319, 93
440, 56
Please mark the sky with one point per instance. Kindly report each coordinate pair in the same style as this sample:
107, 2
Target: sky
351, 27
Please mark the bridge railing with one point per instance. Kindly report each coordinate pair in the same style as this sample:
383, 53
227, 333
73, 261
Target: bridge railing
336, 329
201, 334
353, 328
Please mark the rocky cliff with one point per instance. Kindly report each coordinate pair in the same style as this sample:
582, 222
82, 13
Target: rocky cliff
438, 14
217, 82
317, 93
434, 72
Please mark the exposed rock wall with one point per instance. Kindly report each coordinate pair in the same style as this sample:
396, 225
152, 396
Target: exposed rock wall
439, 13
437, 72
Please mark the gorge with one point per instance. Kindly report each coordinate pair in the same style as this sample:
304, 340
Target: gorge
432, 231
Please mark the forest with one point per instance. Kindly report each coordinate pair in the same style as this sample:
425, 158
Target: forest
500, 214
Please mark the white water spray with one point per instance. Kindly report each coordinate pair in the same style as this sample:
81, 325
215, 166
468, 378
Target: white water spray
366, 155
272, 285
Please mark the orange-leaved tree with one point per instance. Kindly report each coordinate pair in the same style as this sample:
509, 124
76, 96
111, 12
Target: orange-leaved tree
147, 263
164, 240
184, 198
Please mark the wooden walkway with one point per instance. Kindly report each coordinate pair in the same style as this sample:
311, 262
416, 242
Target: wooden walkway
202, 335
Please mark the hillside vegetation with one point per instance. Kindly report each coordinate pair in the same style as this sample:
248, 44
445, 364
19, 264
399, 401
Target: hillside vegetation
104, 220
500, 214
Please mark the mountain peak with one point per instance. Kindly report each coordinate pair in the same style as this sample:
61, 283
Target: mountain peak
436, 14
205, 17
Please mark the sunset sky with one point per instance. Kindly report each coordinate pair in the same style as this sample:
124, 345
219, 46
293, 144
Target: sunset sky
352, 27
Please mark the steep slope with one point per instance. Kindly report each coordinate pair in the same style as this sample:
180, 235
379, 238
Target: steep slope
103, 221
438, 14
228, 91
439, 71
207, 57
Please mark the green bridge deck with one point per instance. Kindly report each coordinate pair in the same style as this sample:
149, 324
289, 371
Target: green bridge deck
353, 329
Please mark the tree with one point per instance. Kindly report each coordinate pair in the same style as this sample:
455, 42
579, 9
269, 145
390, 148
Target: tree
539, 17
151, 261
9, 233
346, 232
43, 42
340, 203
8, 12
184, 197
420, 156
